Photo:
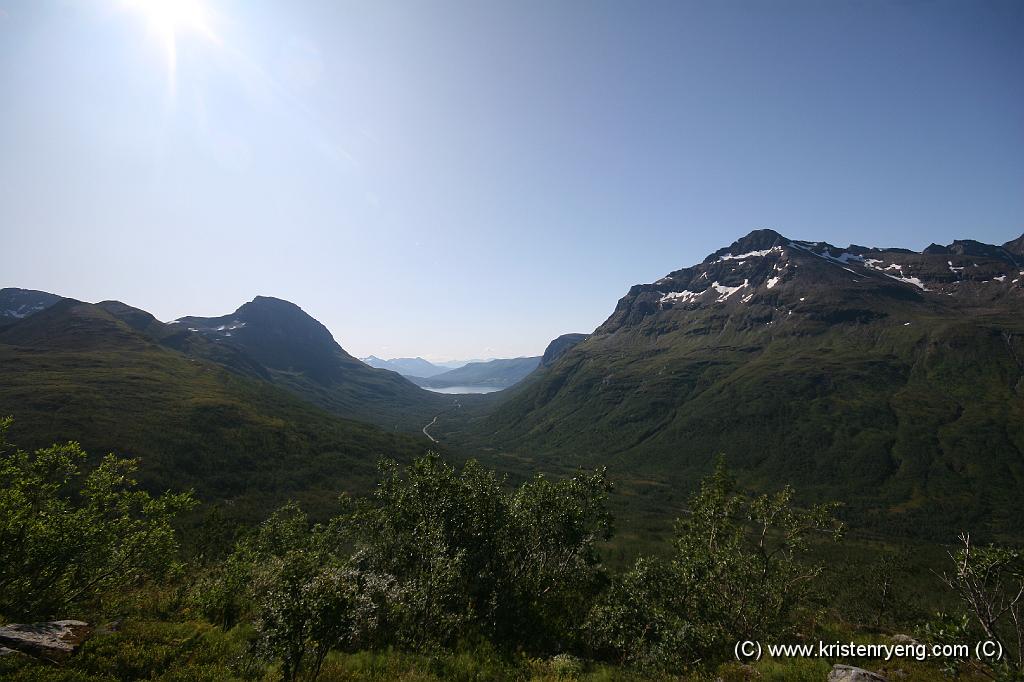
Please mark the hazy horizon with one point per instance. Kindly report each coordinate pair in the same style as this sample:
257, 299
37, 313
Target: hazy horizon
461, 180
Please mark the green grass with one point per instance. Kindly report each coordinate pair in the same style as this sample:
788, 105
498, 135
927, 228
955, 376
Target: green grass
918, 430
242, 443
197, 652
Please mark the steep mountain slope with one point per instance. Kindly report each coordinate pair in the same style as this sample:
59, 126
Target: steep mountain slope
300, 354
890, 380
16, 304
272, 340
76, 371
407, 367
493, 373
559, 347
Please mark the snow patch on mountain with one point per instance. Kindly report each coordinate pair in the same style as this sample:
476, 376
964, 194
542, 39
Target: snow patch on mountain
724, 292
680, 296
751, 254
25, 310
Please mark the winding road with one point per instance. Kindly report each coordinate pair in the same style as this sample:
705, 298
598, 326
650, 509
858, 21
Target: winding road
457, 405
427, 427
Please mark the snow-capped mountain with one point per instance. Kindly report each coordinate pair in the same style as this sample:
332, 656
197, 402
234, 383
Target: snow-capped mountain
890, 379
781, 276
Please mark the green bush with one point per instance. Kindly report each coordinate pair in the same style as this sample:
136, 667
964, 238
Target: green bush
69, 535
739, 571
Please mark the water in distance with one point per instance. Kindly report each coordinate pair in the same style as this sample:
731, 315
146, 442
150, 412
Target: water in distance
464, 389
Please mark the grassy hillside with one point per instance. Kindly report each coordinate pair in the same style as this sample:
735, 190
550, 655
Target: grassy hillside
906, 405
276, 341
76, 372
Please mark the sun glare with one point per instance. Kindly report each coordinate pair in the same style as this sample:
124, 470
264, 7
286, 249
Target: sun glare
169, 20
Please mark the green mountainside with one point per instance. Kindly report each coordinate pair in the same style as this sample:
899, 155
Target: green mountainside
277, 341
76, 371
888, 379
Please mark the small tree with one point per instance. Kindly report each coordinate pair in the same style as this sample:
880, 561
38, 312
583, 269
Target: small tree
741, 558
68, 535
990, 582
472, 559
739, 572
552, 556
642, 620
304, 598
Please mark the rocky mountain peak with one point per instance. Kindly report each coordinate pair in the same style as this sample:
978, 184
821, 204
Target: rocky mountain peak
755, 241
774, 280
1016, 247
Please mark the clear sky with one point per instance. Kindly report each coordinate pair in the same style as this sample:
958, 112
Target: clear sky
471, 179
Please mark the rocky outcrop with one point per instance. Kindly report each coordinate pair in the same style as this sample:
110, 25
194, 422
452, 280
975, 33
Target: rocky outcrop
905, 640
560, 346
52, 641
848, 673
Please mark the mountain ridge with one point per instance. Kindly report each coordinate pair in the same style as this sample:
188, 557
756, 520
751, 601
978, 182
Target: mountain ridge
498, 373
407, 367
890, 379
76, 371
267, 338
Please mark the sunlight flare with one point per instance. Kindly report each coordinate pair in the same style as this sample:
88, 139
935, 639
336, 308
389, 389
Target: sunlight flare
169, 20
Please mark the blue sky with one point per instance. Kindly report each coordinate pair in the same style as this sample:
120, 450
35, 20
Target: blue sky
471, 179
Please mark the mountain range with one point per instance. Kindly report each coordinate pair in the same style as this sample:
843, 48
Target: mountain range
500, 373
407, 367
885, 378
201, 409
888, 379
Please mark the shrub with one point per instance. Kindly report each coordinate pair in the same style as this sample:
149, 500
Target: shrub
68, 535
739, 571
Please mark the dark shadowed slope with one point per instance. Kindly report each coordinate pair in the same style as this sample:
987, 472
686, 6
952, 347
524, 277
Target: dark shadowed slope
560, 346
16, 304
299, 354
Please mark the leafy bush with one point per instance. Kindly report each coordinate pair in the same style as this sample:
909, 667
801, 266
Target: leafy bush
642, 620
470, 559
738, 572
433, 558
68, 535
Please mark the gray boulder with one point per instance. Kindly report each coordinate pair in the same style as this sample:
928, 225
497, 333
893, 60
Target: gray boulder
906, 640
52, 641
848, 673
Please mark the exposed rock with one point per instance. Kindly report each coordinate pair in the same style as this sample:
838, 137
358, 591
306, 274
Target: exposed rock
53, 641
905, 640
1016, 246
849, 673
559, 347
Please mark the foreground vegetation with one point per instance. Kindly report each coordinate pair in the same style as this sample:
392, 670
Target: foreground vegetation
445, 573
